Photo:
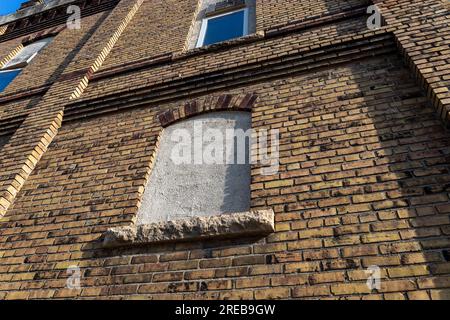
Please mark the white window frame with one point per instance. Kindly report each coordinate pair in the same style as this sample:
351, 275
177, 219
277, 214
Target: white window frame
201, 38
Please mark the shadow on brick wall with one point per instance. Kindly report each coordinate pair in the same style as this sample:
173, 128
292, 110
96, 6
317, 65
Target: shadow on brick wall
392, 190
395, 179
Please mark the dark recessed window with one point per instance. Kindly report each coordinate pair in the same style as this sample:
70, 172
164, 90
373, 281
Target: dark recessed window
223, 27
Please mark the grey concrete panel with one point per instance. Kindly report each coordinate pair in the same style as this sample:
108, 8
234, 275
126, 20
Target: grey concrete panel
177, 191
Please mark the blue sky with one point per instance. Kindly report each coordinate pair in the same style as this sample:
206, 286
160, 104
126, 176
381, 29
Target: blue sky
9, 6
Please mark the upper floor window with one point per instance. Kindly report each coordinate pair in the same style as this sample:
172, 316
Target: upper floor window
13, 67
223, 27
221, 20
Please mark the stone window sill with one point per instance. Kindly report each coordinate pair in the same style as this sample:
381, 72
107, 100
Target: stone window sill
250, 223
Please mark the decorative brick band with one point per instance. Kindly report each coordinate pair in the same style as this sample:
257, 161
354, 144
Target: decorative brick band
11, 55
170, 90
276, 31
106, 50
23, 94
132, 66
243, 102
446, 4
252, 223
166, 58
11, 186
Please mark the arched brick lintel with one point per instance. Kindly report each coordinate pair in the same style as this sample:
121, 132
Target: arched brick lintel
241, 102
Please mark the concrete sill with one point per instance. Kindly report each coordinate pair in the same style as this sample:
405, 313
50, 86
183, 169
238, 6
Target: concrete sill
251, 223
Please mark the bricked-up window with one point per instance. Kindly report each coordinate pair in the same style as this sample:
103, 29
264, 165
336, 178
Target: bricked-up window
186, 183
14, 66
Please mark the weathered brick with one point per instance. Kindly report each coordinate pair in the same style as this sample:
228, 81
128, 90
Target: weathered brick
381, 261
434, 282
350, 288
310, 291
252, 282
409, 271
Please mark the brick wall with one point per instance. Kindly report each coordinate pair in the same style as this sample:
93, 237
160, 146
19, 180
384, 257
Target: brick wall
159, 27
273, 12
364, 175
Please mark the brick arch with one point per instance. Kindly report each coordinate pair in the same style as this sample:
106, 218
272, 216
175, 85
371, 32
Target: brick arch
241, 102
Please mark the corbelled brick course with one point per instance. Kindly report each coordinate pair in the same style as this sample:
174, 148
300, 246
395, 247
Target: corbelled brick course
364, 175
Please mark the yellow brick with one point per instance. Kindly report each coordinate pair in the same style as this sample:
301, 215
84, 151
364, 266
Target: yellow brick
65, 264
305, 244
327, 277
350, 288
397, 286
236, 295
394, 296
310, 291
443, 294
380, 237
418, 295
17, 295
381, 261
23, 276
272, 293
252, 282
302, 267
409, 271
434, 282
91, 292
279, 183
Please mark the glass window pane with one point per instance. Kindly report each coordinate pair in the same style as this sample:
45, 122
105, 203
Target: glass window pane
225, 27
27, 53
6, 77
